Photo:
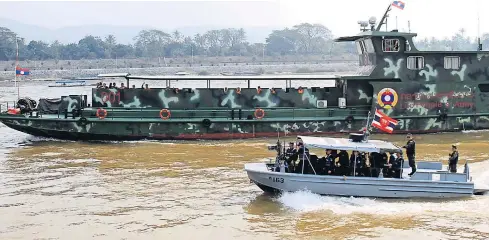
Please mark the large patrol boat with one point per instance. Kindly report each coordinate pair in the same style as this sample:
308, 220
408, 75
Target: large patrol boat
426, 91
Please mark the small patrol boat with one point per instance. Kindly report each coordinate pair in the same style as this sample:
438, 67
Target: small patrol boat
69, 83
429, 181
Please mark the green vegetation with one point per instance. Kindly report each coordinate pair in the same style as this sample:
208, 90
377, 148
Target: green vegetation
302, 40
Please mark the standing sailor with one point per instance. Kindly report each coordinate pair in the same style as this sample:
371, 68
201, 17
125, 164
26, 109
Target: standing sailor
411, 152
291, 156
344, 163
453, 160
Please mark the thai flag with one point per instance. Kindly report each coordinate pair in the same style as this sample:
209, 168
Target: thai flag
384, 122
399, 4
21, 71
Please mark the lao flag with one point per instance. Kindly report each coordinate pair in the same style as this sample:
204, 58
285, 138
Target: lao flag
384, 122
21, 71
398, 4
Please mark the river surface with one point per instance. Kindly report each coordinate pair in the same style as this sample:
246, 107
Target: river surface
51, 189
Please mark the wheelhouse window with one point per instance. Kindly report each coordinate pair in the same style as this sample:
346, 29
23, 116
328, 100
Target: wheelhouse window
390, 45
415, 63
452, 62
369, 45
359, 47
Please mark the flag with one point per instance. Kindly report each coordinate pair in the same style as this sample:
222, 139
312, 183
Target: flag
384, 122
21, 71
399, 4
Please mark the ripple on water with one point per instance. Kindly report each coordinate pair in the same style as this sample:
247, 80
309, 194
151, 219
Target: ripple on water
199, 190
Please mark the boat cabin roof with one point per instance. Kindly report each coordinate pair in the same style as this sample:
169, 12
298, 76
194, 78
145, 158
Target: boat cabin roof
369, 34
346, 144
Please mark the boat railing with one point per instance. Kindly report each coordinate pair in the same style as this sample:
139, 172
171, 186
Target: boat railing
5, 105
233, 114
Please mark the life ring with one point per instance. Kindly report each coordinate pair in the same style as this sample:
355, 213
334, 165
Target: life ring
259, 113
101, 113
349, 119
167, 114
238, 90
300, 90
82, 121
206, 123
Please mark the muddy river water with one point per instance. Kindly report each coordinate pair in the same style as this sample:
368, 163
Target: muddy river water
51, 189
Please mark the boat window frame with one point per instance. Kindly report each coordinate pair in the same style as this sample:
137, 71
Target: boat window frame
390, 42
369, 45
450, 63
359, 47
416, 65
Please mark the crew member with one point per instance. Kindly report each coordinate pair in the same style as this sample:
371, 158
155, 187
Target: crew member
343, 163
303, 154
291, 156
411, 152
377, 161
453, 160
394, 166
327, 166
357, 163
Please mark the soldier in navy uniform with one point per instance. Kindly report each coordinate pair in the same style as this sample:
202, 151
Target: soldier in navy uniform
343, 163
327, 163
357, 164
411, 152
453, 160
395, 165
291, 156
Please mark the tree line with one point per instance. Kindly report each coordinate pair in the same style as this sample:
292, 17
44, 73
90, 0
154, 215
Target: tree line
302, 39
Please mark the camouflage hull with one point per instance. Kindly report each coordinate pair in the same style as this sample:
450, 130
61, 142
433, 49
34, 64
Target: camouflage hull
121, 130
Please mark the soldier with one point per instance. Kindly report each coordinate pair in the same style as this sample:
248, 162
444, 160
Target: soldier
453, 160
291, 156
343, 163
394, 166
357, 163
411, 152
327, 165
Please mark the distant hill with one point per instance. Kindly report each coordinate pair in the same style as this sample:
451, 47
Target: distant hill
124, 34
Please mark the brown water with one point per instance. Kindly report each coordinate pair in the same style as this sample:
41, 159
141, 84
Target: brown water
53, 189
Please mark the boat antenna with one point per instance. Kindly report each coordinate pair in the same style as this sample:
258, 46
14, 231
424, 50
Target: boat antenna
479, 44
384, 18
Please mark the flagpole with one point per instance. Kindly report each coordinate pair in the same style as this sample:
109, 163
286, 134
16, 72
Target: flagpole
366, 127
16, 65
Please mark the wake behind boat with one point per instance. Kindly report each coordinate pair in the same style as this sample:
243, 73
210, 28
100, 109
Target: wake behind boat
429, 181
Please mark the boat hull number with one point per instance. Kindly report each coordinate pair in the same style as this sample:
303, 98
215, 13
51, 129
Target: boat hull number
276, 179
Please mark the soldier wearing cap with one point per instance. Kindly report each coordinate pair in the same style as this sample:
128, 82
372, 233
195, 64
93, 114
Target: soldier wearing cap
411, 152
453, 160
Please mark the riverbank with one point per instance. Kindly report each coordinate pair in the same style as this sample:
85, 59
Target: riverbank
194, 70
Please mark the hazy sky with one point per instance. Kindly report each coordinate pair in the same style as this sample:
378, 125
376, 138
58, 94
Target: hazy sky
428, 17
